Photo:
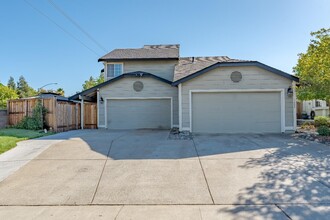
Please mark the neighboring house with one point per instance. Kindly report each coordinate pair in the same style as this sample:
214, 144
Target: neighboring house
313, 108
46, 95
153, 87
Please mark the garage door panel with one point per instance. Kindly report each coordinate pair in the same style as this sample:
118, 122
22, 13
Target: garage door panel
139, 113
249, 112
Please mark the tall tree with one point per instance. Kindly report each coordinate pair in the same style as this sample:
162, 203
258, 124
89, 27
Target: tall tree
6, 93
313, 68
23, 88
91, 82
11, 83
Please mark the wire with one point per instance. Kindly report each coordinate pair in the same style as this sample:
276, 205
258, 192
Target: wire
77, 25
65, 31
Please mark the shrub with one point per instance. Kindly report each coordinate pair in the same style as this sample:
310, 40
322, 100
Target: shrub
321, 121
36, 121
323, 131
308, 125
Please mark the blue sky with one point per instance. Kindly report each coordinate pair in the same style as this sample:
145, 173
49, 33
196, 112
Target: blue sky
272, 32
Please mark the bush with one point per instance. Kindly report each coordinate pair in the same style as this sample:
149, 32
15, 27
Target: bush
321, 121
308, 125
323, 131
36, 121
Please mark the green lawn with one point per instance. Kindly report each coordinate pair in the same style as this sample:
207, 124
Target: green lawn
10, 136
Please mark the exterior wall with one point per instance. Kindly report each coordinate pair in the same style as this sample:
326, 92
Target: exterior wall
124, 88
252, 78
161, 68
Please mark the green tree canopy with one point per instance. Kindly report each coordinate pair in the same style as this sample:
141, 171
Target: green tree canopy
91, 82
313, 68
11, 83
6, 93
23, 88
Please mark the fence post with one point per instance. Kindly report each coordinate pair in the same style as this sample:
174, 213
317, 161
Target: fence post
76, 116
82, 121
54, 114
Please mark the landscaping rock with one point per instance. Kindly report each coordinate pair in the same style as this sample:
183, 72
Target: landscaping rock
175, 134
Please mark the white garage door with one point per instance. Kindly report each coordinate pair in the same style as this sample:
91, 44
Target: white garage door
139, 113
249, 112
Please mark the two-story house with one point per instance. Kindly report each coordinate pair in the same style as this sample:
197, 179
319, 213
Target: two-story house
153, 87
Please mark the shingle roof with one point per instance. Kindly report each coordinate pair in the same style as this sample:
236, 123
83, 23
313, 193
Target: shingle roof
190, 65
170, 51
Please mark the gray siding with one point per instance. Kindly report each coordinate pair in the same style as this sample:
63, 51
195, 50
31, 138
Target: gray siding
253, 78
152, 88
161, 68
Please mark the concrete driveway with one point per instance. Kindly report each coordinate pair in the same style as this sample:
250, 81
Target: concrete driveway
95, 174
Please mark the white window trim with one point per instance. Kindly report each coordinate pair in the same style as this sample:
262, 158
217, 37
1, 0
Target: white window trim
134, 98
106, 69
281, 91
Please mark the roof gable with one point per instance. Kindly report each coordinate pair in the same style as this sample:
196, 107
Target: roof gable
234, 64
125, 75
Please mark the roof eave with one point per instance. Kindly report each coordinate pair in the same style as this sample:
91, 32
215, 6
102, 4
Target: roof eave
134, 59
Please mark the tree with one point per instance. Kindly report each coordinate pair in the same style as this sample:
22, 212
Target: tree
23, 88
313, 68
6, 93
60, 91
11, 83
91, 82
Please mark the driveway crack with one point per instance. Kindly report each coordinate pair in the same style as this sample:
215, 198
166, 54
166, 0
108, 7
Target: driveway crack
200, 163
286, 214
105, 163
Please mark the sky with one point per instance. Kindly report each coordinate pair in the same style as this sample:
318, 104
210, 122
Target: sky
273, 32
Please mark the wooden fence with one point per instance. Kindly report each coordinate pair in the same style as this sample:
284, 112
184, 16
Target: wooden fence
61, 115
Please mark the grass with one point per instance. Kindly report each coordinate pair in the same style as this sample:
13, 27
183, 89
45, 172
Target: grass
10, 136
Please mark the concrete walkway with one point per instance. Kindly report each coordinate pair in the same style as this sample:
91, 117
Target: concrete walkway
142, 175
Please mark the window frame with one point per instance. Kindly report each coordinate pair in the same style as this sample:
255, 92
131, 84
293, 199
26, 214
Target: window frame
113, 63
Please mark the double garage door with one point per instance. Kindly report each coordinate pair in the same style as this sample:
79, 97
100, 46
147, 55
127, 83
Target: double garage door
236, 112
139, 113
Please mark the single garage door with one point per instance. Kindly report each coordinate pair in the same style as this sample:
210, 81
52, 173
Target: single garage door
139, 113
248, 112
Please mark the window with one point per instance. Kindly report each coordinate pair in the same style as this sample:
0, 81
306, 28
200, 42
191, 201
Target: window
318, 103
114, 69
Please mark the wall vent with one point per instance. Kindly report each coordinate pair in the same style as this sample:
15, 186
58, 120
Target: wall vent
138, 86
236, 76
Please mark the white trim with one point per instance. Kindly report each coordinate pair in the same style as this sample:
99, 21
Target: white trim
98, 107
135, 98
185, 129
175, 126
105, 113
294, 105
106, 69
282, 111
282, 92
180, 106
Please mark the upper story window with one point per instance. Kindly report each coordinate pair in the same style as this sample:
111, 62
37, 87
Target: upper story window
114, 69
317, 103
